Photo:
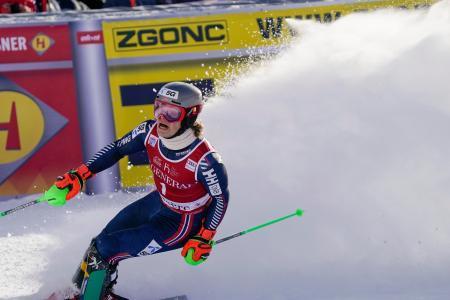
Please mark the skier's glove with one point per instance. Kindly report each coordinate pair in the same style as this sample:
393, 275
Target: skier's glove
197, 249
73, 180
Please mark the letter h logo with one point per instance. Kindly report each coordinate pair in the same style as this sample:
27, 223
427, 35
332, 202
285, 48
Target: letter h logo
12, 127
41, 43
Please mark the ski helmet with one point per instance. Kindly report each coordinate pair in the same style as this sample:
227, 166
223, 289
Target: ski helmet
184, 95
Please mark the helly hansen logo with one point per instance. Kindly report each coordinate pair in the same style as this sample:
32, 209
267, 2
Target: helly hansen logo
169, 93
150, 249
213, 182
210, 176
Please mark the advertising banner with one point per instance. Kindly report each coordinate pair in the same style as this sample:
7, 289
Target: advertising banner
24, 44
160, 39
39, 129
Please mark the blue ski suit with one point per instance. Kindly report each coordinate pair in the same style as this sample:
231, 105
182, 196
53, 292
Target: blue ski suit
153, 224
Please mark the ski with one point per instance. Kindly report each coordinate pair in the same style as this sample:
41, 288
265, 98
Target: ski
69, 293
181, 297
93, 287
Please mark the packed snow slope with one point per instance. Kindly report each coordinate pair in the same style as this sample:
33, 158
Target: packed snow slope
351, 123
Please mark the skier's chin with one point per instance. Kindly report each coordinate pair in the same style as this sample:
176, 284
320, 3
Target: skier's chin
164, 130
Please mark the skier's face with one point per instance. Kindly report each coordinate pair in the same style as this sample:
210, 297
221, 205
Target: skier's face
166, 129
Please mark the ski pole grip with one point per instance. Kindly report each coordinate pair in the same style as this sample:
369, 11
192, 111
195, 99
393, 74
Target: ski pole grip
190, 260
55, 196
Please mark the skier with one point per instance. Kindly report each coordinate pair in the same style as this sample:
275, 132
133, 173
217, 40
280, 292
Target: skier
186, 208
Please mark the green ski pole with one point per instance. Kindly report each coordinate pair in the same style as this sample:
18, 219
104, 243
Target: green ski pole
54, 196
191, 261
298, 212
25, 205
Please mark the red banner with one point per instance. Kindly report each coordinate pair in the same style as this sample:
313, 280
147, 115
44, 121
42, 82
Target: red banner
34, 44
39, 128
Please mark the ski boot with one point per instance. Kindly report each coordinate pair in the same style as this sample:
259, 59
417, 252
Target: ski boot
109, 292
93, 276
77, 278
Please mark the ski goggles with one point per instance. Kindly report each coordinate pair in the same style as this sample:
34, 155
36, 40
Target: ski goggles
170, 112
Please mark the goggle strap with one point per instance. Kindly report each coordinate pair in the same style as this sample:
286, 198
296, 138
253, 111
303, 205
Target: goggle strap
193, 110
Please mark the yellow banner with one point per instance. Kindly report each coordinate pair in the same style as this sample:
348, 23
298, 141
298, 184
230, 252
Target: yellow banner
221, 31
170, 36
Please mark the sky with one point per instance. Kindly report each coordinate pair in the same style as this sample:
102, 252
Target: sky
349, 123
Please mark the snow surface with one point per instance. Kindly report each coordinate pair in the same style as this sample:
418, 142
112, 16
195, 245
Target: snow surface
351, 123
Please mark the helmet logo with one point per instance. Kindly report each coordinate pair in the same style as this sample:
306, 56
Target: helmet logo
165, 92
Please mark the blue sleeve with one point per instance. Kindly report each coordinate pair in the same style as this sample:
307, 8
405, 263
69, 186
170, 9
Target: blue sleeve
213, 175
132, 142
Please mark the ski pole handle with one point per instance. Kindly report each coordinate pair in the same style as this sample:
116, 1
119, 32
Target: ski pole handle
53, 194
298, 213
